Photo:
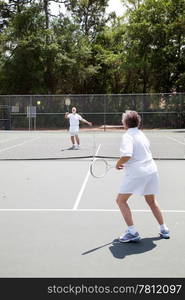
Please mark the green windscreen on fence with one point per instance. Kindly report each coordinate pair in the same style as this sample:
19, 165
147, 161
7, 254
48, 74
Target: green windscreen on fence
34, 126
157, 110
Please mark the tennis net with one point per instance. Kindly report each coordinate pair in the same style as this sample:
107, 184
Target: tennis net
95, 142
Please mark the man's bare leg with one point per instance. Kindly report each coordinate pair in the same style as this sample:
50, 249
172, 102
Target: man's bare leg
77, 140
73, 140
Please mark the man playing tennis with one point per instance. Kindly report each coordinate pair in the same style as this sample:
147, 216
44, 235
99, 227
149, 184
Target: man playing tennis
74, 119
140, 176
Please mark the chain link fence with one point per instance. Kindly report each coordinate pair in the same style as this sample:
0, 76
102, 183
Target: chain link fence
46, 112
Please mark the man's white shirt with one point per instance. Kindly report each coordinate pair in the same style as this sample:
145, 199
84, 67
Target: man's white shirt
74, 121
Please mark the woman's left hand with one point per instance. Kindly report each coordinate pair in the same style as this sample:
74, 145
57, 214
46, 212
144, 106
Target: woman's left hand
119, 166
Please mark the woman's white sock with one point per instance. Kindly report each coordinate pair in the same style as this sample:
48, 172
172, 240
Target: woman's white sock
163, 227
132, 229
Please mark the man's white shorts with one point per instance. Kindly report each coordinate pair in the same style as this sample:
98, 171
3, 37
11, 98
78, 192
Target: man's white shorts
146, 185
73, 131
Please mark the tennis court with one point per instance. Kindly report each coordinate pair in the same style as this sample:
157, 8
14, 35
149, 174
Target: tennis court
56, 220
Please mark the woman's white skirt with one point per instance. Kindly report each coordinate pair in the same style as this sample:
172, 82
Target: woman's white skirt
146, 185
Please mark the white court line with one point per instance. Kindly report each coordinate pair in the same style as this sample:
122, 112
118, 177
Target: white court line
8, 148
82, 210
173, 139
84, 185
8, 140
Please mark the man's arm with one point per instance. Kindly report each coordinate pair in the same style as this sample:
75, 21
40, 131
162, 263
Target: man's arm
121, 162
86, 122
66, 115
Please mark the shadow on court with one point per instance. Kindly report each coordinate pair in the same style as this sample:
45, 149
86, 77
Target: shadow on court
121, 250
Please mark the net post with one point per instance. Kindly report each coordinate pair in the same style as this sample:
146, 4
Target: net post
180, 110
35, 123
104, 115
9, 114
29, 116
29, 121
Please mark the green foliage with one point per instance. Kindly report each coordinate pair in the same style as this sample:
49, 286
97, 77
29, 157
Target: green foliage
155, 35
86, 51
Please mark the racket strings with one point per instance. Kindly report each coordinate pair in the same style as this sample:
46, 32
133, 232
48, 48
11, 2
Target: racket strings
99, 168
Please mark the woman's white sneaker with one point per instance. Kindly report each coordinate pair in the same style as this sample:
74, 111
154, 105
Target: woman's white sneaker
165, 234
129, 237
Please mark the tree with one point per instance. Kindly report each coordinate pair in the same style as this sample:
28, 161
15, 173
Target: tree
22, 62
76, 34
108, 52
155, 52
89, 14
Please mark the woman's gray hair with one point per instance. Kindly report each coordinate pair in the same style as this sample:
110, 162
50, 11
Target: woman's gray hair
131, 119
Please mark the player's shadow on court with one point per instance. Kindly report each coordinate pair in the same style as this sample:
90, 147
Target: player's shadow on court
121, 250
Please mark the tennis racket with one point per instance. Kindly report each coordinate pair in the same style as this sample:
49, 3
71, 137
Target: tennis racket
67, 103
100, 167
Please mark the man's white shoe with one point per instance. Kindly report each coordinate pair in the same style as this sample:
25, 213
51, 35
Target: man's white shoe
72, 148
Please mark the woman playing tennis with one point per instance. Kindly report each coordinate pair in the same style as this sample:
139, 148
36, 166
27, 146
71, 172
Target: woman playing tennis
140, 176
